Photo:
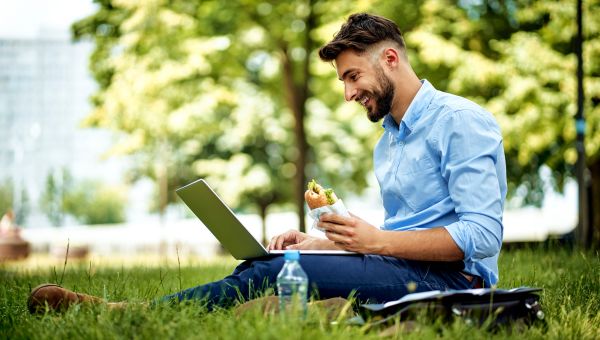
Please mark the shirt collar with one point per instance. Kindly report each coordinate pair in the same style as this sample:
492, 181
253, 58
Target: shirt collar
416, 108
389, 124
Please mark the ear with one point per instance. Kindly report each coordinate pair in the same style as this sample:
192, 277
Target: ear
391, 58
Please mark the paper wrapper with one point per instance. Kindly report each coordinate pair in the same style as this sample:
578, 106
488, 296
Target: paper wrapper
337, 208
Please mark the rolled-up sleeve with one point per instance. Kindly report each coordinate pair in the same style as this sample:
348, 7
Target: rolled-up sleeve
470, 145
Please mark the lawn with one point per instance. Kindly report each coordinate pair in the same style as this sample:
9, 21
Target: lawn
570, 300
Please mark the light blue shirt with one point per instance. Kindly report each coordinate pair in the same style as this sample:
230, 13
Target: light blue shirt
444, 166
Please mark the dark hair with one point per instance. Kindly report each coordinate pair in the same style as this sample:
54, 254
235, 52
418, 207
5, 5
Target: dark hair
359, 32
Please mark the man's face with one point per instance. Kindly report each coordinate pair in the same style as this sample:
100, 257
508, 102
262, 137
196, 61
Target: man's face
366, 83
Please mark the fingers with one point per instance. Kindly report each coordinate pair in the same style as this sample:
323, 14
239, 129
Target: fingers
274, 241
279, 241
342, 245
335, 218
338, 239
271, 245
336, 228
306, 244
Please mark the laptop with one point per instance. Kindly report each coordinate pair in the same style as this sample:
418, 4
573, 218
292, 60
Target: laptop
226, 227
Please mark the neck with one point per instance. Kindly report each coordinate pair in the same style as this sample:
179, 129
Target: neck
407, 85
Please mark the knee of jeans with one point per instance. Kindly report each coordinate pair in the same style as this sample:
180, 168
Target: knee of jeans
265, 271
242, 266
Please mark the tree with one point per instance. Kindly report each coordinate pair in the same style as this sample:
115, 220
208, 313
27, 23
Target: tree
58, 184
182, 110
91, 202
233, 90
6, 196
518, 61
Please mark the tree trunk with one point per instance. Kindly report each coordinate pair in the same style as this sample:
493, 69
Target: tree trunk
163, 189
297, 92
594, 204
162, 175
263, 217
296, 99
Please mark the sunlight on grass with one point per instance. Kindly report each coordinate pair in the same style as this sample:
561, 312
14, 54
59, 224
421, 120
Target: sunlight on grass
570, 300
37, 261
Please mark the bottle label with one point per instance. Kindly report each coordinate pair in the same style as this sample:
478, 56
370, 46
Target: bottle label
292, 299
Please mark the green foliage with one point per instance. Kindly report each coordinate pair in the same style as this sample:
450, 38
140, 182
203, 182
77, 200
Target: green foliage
6, 196
570, 300
89, 202
517, 60
104, 27
223, 90
22, 211
234, 91
58, 184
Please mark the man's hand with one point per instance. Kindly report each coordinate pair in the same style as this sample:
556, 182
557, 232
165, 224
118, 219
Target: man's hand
293, 239
290, 237
352, 233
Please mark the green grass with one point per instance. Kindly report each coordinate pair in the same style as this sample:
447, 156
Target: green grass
570, 300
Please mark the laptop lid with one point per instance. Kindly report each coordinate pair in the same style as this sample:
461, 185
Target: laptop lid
220, 220
226, 227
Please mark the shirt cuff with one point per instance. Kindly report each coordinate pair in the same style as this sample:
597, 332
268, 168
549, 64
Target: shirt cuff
477, 236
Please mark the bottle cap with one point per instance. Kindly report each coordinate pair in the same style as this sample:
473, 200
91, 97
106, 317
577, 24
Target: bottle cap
291, 255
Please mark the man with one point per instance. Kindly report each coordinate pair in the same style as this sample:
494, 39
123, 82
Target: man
441, 169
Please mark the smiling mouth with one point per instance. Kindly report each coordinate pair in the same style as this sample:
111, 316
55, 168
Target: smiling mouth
363, 100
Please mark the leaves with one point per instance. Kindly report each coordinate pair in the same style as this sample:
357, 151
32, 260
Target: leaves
218, 89
198, 89
524, 73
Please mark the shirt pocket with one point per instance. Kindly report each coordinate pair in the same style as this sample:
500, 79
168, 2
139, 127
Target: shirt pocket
420, 183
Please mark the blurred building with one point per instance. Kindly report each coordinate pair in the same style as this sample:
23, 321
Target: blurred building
44, 95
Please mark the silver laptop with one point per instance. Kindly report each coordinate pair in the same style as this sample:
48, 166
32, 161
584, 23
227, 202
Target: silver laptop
226, 227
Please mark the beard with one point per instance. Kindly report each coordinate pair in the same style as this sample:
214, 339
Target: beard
382, 97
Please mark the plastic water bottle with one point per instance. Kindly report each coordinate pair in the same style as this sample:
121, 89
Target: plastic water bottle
292, 285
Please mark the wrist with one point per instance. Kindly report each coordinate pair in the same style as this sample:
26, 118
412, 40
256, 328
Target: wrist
382, 245
327, 244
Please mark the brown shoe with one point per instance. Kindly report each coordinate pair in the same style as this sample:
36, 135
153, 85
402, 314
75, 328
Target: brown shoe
55, 297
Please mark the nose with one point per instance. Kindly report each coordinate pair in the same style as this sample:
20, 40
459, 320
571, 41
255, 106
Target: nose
349, 92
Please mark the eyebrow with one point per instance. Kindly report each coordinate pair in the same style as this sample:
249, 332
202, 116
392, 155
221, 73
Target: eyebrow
346, 73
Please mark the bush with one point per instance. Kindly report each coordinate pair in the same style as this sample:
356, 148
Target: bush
6, 196
90, 202
94, 203
52, 199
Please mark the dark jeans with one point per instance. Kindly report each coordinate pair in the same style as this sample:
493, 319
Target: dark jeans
372, 278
